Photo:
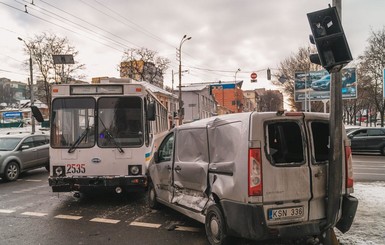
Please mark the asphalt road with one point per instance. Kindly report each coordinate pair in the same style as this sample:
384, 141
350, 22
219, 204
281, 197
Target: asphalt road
31, 214
368, 167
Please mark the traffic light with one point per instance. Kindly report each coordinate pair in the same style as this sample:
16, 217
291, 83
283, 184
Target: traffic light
330, 40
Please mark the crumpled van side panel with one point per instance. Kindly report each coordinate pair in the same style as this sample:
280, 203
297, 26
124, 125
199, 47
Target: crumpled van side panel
228, 146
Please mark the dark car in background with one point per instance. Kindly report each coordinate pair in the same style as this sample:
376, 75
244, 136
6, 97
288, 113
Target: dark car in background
20, 152
368, 140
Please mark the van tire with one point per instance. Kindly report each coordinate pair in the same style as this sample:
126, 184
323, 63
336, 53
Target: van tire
11, 171
215, 226
152, 202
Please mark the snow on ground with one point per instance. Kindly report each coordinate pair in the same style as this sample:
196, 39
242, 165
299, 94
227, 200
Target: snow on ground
369, 223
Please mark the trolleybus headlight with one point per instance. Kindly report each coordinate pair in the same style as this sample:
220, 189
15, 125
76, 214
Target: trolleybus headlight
134, 170
59, 171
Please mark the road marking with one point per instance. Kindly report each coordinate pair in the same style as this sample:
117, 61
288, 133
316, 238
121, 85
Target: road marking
7, 211
186, 228
33, 180
34, 214
368, 174
70, 217
142, 224
29, 189
108, 221
367, 162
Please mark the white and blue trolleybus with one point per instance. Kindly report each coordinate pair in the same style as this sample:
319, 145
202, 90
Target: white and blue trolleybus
103, 136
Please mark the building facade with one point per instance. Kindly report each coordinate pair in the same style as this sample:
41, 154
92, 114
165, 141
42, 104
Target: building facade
142, 71
198, 103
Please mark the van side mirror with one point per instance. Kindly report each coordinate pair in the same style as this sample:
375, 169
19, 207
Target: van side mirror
37, 114
156, 157
151, 111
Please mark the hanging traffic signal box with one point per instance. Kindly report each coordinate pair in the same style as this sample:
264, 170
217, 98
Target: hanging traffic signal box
329, 38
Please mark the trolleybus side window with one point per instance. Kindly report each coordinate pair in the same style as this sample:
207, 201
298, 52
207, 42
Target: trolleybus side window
73, 123
120, 122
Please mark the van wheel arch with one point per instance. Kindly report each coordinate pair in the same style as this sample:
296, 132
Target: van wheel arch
151, 194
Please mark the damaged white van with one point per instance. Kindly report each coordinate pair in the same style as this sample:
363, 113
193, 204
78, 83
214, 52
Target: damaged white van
253, 175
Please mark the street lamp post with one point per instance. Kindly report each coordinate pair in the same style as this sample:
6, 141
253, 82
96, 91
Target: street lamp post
173, 101
184, 39
31, 86
235, 89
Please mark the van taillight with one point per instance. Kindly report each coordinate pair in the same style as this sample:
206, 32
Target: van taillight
255, 172
348, 167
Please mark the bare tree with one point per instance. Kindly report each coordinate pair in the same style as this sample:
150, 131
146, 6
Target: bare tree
42, 47
270, 100
298, 62
372, 63
143, 64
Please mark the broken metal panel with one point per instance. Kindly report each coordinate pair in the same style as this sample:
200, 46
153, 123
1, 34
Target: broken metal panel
190, 168
189, 198
228, 159
192, 145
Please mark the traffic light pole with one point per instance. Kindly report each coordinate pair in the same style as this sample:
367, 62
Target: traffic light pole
335, 155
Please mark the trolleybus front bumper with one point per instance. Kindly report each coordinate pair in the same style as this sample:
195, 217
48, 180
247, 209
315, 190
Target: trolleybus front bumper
82, 184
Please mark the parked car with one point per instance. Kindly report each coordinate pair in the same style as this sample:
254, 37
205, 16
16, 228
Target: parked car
20, 152
322, 84
349, 128
253, 175
368, 140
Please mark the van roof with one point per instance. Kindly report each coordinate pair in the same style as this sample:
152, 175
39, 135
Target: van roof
245, 116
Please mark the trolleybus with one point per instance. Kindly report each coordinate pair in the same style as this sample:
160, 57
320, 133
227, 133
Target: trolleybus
103, 136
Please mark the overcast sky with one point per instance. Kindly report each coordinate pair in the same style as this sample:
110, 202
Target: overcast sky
226, 34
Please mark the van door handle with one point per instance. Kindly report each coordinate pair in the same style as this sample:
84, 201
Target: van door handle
177, 168
168, 167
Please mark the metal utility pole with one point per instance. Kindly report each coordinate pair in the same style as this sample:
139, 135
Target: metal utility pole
180, 114
31, 86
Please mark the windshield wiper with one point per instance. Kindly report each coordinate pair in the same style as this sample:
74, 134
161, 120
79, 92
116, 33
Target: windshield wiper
120, 149
78, 141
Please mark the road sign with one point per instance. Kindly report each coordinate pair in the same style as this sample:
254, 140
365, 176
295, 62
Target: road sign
253, 76
63, 59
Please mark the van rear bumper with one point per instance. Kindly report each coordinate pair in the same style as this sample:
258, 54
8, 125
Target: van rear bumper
82, 184
248, 221
349, 209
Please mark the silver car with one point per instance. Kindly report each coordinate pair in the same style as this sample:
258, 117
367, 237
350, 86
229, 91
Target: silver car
20, 152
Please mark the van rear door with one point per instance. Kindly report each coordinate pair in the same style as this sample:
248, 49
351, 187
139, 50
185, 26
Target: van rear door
286, 172
295, 168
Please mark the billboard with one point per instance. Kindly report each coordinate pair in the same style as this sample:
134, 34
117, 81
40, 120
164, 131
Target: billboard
316, 84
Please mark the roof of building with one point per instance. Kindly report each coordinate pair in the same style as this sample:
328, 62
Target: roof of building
194, 87
156, 89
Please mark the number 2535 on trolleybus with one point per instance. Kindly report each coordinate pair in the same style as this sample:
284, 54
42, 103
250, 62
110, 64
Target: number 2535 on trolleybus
103, 136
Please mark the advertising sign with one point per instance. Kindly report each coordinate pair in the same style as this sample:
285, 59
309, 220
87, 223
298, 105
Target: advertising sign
316, 84
12, 115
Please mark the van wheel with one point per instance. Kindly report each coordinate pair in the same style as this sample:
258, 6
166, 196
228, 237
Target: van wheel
215, 226
11, 171
152, 202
